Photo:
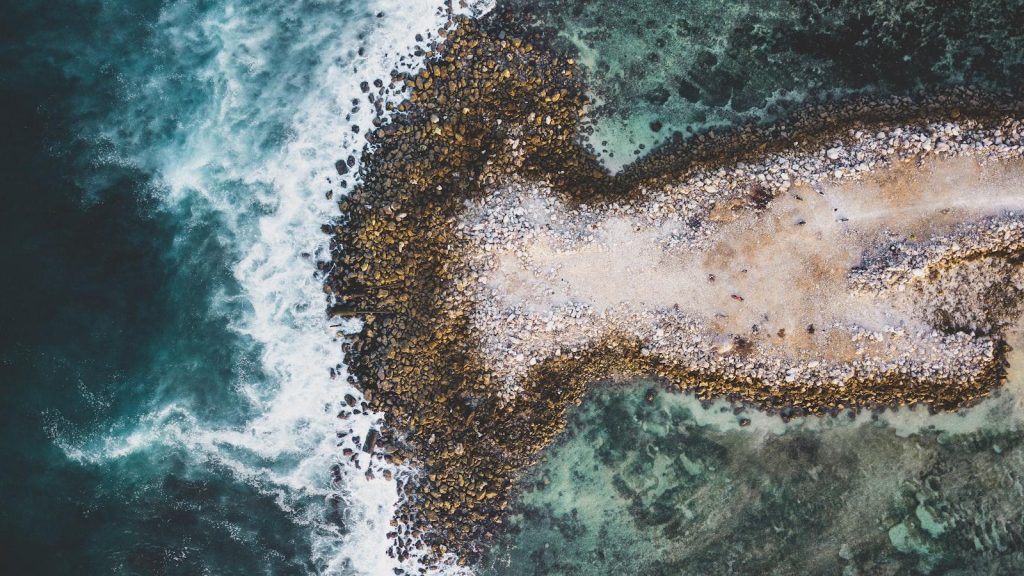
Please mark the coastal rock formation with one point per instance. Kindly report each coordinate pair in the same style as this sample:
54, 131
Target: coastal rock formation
499, 271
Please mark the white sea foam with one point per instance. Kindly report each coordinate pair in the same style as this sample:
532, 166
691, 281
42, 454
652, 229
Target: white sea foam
258, 154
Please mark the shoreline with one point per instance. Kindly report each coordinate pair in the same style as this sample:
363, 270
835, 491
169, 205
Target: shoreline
397, 256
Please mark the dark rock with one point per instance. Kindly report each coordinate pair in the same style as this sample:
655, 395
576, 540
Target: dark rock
371, 441
657, 96
687, 90
760, 196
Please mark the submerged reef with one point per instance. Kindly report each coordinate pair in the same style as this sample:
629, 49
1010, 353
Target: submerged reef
659, 66
667, 487
474, 342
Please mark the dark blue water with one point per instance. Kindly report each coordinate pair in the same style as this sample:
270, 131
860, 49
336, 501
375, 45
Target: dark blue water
164, 357
106, 314
165, 354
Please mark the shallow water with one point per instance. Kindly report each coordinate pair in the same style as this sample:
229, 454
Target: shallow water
671, 487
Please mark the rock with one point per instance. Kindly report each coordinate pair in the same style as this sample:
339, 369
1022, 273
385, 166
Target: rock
371, 441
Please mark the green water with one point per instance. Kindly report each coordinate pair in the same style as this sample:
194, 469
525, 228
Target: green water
668, 487
656, 67
164, 359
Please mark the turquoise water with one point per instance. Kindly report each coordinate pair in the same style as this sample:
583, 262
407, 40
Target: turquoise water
165, 362
166, 358
671, 487
657, 67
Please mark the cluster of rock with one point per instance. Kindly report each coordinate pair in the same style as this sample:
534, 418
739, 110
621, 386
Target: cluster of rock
941, 367
491, 111
393, 267
904, 261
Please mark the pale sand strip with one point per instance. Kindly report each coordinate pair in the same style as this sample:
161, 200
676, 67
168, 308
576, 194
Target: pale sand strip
731, 269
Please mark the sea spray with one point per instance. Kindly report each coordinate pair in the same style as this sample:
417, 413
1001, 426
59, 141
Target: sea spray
240, 116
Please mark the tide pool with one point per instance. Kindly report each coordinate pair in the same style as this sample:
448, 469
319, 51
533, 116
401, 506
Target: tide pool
671, 486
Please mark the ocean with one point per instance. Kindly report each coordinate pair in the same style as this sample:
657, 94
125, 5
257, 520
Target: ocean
166, 360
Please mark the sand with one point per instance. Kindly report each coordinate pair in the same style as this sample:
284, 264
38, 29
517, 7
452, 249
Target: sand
798, 274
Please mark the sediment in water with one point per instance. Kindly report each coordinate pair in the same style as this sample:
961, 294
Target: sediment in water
489, 111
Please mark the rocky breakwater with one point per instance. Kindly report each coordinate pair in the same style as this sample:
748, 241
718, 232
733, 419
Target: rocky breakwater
471, 394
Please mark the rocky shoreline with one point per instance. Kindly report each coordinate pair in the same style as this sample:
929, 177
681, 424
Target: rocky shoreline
492, 116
